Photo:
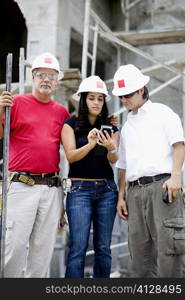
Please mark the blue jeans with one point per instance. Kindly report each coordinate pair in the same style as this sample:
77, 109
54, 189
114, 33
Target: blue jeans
90, 202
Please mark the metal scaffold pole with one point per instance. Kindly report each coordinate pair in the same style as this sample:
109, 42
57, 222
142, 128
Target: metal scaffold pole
85, 39
183, 107
5, 167
95, 42
21, 71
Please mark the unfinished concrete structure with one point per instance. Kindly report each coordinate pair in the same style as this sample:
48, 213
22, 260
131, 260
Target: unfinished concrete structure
148, 33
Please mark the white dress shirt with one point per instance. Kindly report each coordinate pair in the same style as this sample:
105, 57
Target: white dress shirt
146, 141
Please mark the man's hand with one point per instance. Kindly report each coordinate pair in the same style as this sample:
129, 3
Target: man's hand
173, 186
62, 222
122, 209
114, 120
6, 100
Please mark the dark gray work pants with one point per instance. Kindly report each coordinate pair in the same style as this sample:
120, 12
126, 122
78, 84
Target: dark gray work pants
156, 232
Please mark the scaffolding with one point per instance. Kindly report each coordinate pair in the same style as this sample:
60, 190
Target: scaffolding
102, 30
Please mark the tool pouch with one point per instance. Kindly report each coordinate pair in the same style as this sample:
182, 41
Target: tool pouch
66, 184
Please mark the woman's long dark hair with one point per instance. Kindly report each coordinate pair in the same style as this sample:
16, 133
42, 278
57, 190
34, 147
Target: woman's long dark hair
82, 122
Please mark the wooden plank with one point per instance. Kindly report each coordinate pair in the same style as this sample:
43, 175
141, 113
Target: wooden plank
153, 37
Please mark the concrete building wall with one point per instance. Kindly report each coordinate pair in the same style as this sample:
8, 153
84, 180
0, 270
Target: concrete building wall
50, 24
41, 20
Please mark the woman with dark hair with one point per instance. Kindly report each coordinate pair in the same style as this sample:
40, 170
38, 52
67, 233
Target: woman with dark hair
93, 193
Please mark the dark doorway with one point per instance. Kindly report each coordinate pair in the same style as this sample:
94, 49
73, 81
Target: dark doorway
13, 33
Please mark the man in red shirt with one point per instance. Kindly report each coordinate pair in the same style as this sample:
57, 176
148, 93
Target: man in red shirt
34, 197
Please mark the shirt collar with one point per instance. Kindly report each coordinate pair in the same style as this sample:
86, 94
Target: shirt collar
144, 108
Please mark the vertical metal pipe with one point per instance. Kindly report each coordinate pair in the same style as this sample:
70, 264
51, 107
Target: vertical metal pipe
95, 42
85, 39
5, 165
183, 121
21, 71
127, 16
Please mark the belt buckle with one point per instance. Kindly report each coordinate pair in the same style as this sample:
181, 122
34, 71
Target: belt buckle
26, 179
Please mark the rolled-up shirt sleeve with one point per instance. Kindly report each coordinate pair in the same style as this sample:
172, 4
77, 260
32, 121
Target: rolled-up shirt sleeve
173, 127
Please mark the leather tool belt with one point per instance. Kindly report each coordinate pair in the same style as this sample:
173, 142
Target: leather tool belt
50, 179
148, 179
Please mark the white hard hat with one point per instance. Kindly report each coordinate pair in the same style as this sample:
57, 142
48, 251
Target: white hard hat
128, 79
92, 84
47, 60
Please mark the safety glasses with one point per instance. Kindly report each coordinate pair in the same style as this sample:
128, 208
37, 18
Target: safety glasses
43, 75
128, 95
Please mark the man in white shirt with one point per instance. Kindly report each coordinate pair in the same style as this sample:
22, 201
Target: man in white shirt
151, 156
